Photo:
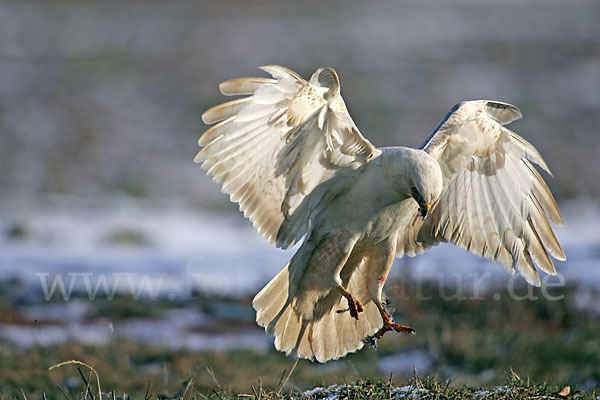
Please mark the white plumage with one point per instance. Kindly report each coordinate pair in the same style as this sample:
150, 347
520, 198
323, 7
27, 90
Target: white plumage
293, 159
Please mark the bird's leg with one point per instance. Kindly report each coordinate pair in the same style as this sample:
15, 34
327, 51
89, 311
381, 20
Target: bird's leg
354, 305
380, 263
325, 267
389, 325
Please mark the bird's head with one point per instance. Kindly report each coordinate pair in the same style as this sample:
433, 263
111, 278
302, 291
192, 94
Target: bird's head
427, 181
415, 174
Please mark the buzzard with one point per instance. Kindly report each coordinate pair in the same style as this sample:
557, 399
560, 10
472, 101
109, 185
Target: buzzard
292, 158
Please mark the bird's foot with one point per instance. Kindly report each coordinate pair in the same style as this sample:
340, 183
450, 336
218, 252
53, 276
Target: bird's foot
389, 325
354, 306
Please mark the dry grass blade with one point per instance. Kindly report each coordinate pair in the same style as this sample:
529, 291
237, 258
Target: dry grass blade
257, 395
353, 368
147, 390
86, 382
187, 387
418, 381
514, 375
213, 377
62, 364
283, 382
63, 392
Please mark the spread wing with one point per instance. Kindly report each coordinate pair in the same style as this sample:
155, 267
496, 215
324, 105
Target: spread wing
494, 202
282, 152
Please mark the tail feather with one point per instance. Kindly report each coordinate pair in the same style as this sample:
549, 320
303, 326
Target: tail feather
272, 298
330, 334
287, 329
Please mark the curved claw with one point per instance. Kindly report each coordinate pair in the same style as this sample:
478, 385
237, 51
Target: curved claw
355, 307
404, 329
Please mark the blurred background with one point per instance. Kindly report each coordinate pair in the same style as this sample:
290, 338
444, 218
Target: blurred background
117, 250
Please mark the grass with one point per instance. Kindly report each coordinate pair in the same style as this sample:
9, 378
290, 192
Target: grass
472, 345
433, 388
414, 387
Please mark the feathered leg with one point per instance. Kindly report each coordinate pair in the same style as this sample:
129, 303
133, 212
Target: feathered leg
322, 274
380, 263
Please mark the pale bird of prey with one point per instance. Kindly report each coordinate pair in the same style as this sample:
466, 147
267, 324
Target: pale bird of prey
291, 156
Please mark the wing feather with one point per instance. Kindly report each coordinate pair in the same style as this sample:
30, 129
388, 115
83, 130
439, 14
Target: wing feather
544, 196
243, 86
224, 111
494, 203
273, 149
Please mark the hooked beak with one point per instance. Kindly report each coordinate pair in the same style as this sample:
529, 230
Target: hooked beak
424, 210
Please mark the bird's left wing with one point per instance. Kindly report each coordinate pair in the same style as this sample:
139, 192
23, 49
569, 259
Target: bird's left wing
494, 203
282, 150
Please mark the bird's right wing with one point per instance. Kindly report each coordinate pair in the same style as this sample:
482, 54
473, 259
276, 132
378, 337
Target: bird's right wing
494, 203
284, 150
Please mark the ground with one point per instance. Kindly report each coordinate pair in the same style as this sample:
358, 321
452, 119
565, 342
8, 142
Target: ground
475, 342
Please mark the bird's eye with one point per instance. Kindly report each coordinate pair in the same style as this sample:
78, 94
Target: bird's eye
416, 195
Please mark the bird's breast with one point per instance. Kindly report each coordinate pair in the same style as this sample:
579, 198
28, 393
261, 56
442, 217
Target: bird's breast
389, 220
371, 209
